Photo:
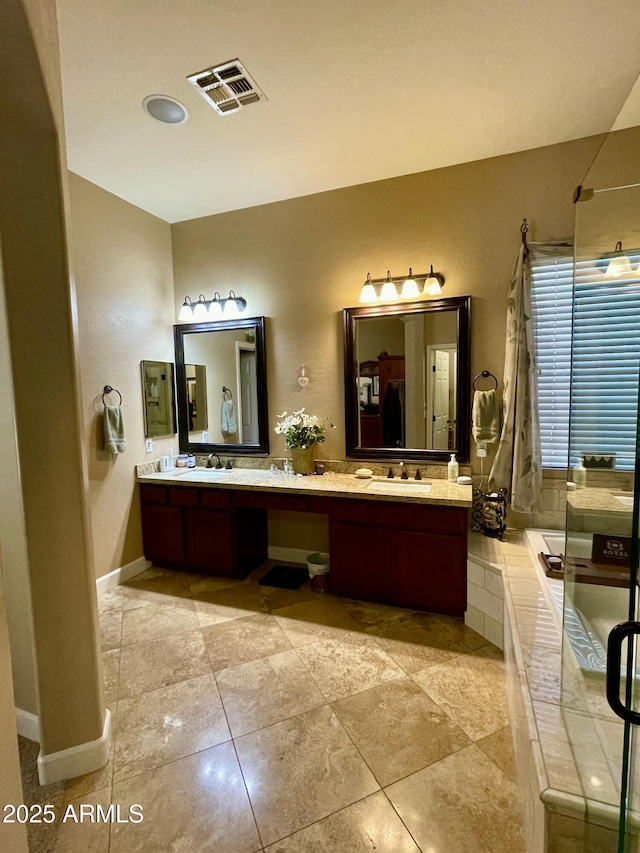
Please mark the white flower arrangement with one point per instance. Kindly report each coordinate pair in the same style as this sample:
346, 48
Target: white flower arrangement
302, 430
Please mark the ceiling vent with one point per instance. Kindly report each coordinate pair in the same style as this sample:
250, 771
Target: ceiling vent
227, 87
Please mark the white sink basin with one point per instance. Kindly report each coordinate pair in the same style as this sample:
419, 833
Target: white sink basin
203, 473
382, 484
625, 500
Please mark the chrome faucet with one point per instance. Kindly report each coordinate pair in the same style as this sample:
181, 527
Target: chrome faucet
210, 457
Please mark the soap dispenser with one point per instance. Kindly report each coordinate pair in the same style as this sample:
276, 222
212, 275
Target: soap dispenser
453, 469
580, 475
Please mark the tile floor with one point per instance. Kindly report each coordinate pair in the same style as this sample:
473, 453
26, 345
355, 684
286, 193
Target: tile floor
248, 718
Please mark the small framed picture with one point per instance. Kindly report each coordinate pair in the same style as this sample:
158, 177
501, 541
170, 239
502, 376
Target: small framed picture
365, 390
375, 387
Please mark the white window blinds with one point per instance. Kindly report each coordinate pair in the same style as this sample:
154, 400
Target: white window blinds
602, 415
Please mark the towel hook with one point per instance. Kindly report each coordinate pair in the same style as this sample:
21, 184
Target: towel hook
485, 375
109, 390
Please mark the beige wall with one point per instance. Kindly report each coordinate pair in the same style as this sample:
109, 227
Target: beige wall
300, 262
123, 273
39, 299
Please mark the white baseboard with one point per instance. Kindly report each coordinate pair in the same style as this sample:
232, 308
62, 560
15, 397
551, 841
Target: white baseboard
28, 724
288, 555
77, 760
124, 573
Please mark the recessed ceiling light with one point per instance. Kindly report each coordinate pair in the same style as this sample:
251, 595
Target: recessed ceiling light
165, 109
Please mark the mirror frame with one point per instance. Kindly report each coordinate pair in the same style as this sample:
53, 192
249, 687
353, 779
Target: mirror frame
179, 333
145, 417
461, 304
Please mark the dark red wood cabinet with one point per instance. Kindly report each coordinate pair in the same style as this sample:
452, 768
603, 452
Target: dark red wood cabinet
407, 554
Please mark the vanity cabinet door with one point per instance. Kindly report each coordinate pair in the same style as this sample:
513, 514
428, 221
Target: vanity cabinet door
209, 541
162, 534
360, 561
429, 570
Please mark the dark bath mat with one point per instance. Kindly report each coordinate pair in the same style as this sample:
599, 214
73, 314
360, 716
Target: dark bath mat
284, 577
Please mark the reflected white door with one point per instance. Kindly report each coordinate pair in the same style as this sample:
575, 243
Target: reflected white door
248, 397
440, 422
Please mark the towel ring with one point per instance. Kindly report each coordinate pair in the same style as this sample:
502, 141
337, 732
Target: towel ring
109, 390
485, 375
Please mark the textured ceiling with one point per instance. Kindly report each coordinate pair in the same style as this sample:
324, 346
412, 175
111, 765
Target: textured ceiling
359, 90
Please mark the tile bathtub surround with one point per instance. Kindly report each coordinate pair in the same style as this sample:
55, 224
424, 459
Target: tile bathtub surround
317, 725
561, 722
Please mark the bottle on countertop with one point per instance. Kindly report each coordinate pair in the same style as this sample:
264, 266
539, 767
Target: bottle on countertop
453, 469
191, 461
580, 475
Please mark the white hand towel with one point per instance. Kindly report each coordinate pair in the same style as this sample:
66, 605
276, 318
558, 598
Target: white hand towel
485, 419
228, 424
114, 441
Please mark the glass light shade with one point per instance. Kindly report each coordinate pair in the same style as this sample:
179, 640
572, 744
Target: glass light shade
368, 292
618, 267
186, 310
410, 288
215, 309
200, 311
389, 290
432, 286
231, 308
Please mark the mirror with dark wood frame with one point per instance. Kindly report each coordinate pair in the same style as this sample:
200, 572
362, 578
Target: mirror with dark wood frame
221, 383
407, 375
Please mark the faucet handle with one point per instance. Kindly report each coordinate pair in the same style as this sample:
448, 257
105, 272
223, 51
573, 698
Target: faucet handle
418, 474
229, 466
390, 475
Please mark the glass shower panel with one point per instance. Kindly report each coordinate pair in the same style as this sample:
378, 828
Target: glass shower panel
600, 551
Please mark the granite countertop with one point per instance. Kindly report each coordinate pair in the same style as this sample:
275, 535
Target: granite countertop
600, 500
442, 492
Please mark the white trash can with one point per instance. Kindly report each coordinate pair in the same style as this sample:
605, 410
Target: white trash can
318, 565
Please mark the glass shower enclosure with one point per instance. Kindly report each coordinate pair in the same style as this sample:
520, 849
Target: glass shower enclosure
600, 666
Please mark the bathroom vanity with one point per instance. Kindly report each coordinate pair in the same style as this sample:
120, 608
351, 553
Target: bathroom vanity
388, 543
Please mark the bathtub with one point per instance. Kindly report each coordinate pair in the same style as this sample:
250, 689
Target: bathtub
586, 612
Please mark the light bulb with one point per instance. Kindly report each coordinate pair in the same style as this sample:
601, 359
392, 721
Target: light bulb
186, 310
409, 288
231, 308
200, 309
368, 292
389, 290
433, 283
620, 264
215, 309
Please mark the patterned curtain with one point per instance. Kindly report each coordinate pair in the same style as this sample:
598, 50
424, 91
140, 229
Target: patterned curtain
518, 462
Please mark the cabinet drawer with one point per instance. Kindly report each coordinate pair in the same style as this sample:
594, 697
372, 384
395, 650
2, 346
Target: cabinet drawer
215, 499
269, 500
153, 494
439, 519
181, 496
390, 515
349, 511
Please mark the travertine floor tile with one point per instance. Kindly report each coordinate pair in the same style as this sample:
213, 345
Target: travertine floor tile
321, 619
86, 836
342, 667
198, 804
471, 690
368, 613
242, 640
224, 605
157, 620
499, 748
110, 674
398, 729
169, 723
263, 692
301, 770
154, 586
460, 804
157, 663
418, 641
369, 825
110, 630
110, 601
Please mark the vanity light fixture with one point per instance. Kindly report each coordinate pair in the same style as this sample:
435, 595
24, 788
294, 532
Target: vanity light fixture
368, 292
409, 288
389, 290
217, 308
434, 283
